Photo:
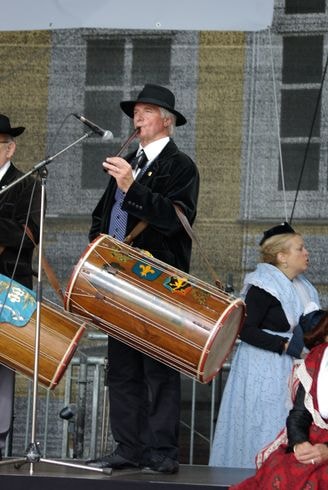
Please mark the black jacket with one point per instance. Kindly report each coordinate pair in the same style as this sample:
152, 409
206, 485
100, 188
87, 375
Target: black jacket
299, 420
14, 205
172, 178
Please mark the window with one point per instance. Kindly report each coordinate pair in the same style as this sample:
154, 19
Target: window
115, 71
298, 109
301, 111
302, 59
304, 6
293, 155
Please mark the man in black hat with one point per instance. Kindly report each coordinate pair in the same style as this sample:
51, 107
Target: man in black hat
14, 205
144, 393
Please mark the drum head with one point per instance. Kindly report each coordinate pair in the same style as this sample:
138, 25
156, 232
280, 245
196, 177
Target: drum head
221, 342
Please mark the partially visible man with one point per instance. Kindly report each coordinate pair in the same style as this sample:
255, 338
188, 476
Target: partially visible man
14, 206
144, 393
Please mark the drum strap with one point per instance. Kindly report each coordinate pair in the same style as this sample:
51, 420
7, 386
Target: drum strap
49, 271
185, 223
141, 225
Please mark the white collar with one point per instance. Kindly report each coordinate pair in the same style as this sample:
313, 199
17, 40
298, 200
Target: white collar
322, 386
4, 169
153, 149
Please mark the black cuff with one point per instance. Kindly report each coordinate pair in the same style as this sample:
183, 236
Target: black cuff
296, 343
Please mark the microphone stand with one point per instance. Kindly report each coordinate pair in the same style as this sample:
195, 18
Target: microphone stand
33, 454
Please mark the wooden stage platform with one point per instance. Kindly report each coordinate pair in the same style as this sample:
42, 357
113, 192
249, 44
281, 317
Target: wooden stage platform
48, 476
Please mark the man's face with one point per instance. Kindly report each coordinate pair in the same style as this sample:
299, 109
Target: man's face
7, 148
152, 126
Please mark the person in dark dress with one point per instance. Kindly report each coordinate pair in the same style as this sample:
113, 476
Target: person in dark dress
256, 398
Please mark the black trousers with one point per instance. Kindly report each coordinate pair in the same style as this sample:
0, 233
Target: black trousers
144, 397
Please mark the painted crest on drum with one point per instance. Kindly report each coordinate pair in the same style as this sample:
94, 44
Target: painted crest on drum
178, 285
146, 271
120, 257
17, 303
200, 296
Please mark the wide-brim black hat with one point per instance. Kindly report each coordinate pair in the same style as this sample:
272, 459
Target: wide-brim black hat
5, 127
277, 230
156, 95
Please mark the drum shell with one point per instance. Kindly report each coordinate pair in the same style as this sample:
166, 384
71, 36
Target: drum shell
191, 329
59, 337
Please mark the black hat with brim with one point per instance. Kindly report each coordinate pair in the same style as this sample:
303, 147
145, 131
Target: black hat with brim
156, 95
5, 127
277, 230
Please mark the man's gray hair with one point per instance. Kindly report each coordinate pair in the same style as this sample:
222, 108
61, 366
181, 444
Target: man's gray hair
172, 117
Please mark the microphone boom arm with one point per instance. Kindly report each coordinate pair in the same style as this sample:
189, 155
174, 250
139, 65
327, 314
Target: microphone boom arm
41, 164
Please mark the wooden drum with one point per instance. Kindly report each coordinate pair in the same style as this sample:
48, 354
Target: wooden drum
161, 311
59, 337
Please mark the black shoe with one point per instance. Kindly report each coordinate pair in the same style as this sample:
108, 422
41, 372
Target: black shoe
113, 460
160, 463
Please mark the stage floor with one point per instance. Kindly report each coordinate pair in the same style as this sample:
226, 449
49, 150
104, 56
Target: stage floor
49, 476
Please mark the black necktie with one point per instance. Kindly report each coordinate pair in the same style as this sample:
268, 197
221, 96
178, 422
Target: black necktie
139, 161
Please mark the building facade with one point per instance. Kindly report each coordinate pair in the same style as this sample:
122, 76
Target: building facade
256, 105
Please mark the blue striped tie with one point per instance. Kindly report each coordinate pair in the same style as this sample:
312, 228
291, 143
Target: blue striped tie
119, 218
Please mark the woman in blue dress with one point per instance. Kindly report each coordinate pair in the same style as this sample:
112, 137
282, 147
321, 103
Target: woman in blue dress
256, 399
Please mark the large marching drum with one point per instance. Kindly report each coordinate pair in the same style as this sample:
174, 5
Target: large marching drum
161, 311
59, 334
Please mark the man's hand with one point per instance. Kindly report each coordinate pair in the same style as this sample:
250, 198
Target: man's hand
121, 170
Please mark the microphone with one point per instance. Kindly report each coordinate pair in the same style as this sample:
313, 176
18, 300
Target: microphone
104, 133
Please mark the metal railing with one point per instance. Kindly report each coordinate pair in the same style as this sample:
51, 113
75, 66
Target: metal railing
85, 432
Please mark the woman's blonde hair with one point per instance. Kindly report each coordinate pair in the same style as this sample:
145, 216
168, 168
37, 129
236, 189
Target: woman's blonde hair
272, 246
